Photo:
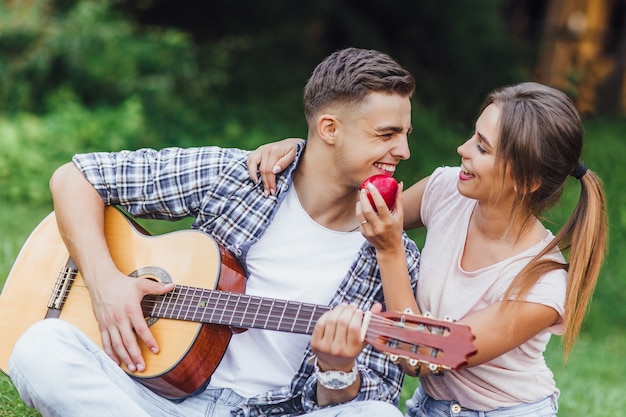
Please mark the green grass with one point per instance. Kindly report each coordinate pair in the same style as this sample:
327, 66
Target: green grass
10, 402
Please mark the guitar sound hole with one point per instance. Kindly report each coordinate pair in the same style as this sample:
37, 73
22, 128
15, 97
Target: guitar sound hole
153, 273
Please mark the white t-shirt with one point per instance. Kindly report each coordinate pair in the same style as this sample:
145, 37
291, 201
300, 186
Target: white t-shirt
295, 259
445, 289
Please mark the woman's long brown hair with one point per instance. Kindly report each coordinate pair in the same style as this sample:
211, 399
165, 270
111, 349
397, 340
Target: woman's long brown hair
541, 141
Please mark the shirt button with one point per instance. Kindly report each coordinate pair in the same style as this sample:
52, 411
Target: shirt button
456, 408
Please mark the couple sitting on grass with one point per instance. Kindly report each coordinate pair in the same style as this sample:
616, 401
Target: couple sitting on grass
309, 234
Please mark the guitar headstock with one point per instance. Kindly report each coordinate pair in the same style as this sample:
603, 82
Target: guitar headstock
421, 339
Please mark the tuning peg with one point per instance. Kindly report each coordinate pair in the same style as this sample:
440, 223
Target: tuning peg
437, 369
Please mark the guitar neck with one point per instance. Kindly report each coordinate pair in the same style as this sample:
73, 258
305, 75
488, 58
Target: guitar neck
233, 309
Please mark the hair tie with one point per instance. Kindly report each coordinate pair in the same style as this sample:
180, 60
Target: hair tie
579, 171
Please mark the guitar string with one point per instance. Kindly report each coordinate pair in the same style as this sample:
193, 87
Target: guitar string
181, 297
253, 306
244, 317
403, 348
262, 316
199, 301
256, 306
399, 347
373, 331
200, 296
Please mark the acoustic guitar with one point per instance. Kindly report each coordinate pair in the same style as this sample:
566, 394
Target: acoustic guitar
194, 322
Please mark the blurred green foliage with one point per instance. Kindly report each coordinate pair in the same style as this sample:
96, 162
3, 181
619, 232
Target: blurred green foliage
81, 77
230, 72
88, 53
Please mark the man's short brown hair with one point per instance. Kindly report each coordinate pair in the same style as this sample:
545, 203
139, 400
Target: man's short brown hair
349, 75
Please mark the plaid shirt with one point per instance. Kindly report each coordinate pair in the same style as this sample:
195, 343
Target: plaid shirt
212, 185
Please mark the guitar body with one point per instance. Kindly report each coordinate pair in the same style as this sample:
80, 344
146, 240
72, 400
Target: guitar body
189, 351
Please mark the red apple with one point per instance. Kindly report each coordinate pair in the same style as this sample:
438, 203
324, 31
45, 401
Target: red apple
386, 185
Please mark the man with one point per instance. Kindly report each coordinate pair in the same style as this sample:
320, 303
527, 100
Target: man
297, 245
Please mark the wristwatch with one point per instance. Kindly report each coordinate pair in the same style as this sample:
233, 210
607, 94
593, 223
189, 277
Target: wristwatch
336, 380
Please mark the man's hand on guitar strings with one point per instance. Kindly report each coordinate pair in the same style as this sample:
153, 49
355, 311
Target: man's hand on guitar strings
117, 307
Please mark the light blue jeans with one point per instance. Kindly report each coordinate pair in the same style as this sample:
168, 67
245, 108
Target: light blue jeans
421, 405
61, 372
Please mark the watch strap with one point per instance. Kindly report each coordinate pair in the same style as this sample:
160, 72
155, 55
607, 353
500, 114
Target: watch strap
336, 380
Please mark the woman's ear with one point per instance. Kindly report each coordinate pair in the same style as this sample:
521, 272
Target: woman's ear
535, 185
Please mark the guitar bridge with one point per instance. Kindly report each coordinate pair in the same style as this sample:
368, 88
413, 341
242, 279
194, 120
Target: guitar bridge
61, 289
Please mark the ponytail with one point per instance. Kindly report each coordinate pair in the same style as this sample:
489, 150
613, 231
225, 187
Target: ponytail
586, 231
585, 236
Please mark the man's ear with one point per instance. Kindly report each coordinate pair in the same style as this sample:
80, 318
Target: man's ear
327, 128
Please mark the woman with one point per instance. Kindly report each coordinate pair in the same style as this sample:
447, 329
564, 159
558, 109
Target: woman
488, 261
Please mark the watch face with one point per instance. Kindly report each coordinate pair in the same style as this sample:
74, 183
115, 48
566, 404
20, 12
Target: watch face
336, 384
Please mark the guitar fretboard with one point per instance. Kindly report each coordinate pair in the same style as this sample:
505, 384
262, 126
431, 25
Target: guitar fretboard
234, 309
